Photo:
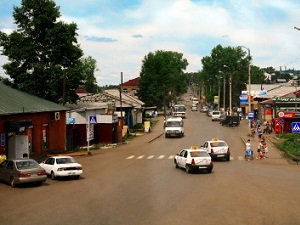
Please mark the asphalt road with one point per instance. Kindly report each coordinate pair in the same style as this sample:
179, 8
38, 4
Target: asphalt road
138, 184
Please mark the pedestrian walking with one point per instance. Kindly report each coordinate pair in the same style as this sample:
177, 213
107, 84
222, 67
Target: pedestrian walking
248, 151
261, 150
259, 132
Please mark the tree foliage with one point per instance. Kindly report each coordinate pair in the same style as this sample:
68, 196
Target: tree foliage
89, 66
162, 77
223, 63
43, 53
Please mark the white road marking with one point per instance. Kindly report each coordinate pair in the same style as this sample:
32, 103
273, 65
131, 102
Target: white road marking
161, 157
150, 157
130, 157
171, 157
140, 157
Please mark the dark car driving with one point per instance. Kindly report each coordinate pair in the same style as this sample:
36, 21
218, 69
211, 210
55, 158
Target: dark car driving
231, 120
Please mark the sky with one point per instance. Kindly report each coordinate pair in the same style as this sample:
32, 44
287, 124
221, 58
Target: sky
118, 34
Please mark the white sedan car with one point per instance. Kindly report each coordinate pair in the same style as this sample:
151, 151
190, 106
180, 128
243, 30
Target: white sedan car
62, 166
217, 149
193, 159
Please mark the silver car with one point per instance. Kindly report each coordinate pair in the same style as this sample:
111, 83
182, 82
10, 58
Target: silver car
21, 171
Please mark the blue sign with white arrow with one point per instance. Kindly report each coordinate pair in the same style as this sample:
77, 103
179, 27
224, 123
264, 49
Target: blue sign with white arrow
295, 127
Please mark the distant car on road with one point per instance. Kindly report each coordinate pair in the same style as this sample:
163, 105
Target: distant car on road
209, 112
62, 166
204, 109
231, 120
217, 149
222, 117
215, 115
193, 159
22, 171
194, 107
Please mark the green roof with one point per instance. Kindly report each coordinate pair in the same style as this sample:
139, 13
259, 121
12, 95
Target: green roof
13, 101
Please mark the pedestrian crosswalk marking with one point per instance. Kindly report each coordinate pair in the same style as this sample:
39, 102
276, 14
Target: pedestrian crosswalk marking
241, 158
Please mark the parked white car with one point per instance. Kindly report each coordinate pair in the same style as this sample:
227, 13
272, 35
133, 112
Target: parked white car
62, 166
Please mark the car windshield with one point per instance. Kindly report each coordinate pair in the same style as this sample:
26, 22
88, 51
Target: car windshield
179, 108
27, 164
173, 124
65, 160
218, 144
198, 154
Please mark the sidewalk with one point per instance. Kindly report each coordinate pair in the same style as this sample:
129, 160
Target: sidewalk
274, 155
156, 131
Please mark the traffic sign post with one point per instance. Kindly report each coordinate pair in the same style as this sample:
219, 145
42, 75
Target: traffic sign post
296, 129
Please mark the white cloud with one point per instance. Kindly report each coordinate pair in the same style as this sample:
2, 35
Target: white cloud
119, 36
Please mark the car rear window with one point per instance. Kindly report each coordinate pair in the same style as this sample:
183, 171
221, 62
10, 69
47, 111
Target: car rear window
199, 154
65, 160
218, 144
27, 164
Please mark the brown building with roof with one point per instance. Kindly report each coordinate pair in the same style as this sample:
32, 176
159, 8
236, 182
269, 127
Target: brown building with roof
131, 85
29, 125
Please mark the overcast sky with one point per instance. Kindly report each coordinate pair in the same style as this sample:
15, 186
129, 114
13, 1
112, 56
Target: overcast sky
118, 34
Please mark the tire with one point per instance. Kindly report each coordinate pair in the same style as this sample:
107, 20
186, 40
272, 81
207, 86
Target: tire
52, 175
228, 158
209, 170
176, 165
166, 136
12, 182
76, 177
187, 168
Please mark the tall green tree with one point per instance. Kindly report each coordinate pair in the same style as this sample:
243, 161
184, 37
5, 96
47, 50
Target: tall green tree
162, 77
43, 53
226, 62
89, 67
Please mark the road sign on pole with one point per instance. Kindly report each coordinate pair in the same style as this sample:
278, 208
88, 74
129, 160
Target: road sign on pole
295, 127
250, 115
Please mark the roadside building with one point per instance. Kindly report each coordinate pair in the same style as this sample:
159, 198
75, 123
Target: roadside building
30, 126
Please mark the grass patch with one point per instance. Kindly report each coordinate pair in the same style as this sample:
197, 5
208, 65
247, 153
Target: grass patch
290, 145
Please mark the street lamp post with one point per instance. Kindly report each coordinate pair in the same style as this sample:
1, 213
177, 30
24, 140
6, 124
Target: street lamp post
249, 79
249, 83
224, 89
219, 93
230, 89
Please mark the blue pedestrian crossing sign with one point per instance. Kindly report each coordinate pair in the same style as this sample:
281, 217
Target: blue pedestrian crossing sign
92, 119
295, 127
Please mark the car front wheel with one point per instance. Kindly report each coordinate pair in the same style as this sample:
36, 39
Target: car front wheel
228, 158
52, 175
12, 182
176, 165
187, 168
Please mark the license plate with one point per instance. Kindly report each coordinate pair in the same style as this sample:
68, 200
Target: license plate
71, 173
202, 167
172, 134
220, 155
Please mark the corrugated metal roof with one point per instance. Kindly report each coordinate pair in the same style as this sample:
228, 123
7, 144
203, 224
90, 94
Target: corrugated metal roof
112, 96
13, 101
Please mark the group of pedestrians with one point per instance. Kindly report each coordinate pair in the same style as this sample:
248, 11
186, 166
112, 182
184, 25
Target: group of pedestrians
262, 149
